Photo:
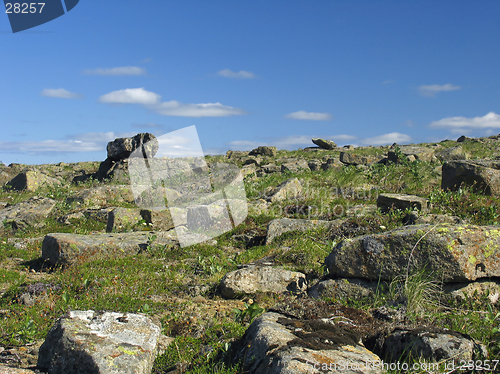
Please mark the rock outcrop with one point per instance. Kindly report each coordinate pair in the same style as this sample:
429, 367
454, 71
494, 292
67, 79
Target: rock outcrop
324, 143
31, 181
482, 175
30, 212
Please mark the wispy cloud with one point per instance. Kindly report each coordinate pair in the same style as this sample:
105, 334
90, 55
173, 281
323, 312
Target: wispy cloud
489, 121
60, 93
309, 116
153, 102
393, 137
123, 70
434, 89
242, 74
131, 96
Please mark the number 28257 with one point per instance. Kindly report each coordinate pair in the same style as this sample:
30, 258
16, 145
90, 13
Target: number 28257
23, 8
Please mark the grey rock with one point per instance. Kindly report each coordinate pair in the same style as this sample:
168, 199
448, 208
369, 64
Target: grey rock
264, 151
350, 158
269, 347
31, 181
102, 197
323, 143
344, 289
88, 342
454, 253
289, 189
252, 279
295, 166
27, 213
278, 227
420, 153
483, 175
388, 201
124, 219
474, 290
122, 148
13, 370
314, 165
453, 153
100, 215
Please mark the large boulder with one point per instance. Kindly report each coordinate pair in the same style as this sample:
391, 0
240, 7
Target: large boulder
30, 212
87, 342
252, 279
324, 143
31, 181
264, 151
483, 175
454, 253
388, 201
122, 148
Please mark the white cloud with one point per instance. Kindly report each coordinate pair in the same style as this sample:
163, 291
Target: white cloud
123, 70
60, 93
175, 108
312, 116
489, 121
241, 74
433, 89
131, 96
393, 137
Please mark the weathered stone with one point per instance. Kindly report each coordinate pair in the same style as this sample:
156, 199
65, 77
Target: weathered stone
122, 148
278, 227
11, 370
264, 151
270, 168
453, 153
252, 160
314, 165
483, 175
102, 197
349, 158
124, 219
420, 153
295, 167
454, 253
344, 289
65, 248
324, 143
236, 154
463, 138
289, 189
252, 279
431, 344
474, 290
388, 201
161, 220
416, 219
30, 212
273, 345
87, 342
31, 181
100, 215
248, 170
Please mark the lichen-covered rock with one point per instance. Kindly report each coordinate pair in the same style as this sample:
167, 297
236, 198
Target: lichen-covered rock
274, 344
419, 153
31, 181
86, 342
102, 197
324, 143
289, 189
121, 148
295, 166
279, 226
387, 201
30, 212
264, 151
454, 253
483, 175
252, 279
453, 153
344, 289
124, 219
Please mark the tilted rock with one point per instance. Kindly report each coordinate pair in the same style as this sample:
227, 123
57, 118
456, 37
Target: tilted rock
289, 189
454, 253
349, 158
453, 153
264, 151
431, 344
252, 279
27, 213
274, 344
102, 197
323, 143
31, 181
279, 226
87, 342
388, 201
484, 175
122, 148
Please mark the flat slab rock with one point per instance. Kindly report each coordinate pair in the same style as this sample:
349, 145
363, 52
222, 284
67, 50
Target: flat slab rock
28, 212
88, 342
272, 345
454, 253
386, 201
66, 248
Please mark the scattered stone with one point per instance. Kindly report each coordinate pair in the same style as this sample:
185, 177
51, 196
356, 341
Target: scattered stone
344, 289
100, 215
11, 370
463, 138
324, 143
314, 165
252, 279
252, 160
483, 175
454, 253
102, 197
88, 342
295, 167
274, 344
289, 189
31, 181
349, 158
420, 153
124, 219
414, 218
248, 170
278, 227
474, 290
122, 148
264, 151
270, 168
453, 153
30, 212
236, 154
387, 201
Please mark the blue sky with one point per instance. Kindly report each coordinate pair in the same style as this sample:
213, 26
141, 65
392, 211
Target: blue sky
249, 73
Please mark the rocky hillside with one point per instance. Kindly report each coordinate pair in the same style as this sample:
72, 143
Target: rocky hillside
367, 259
